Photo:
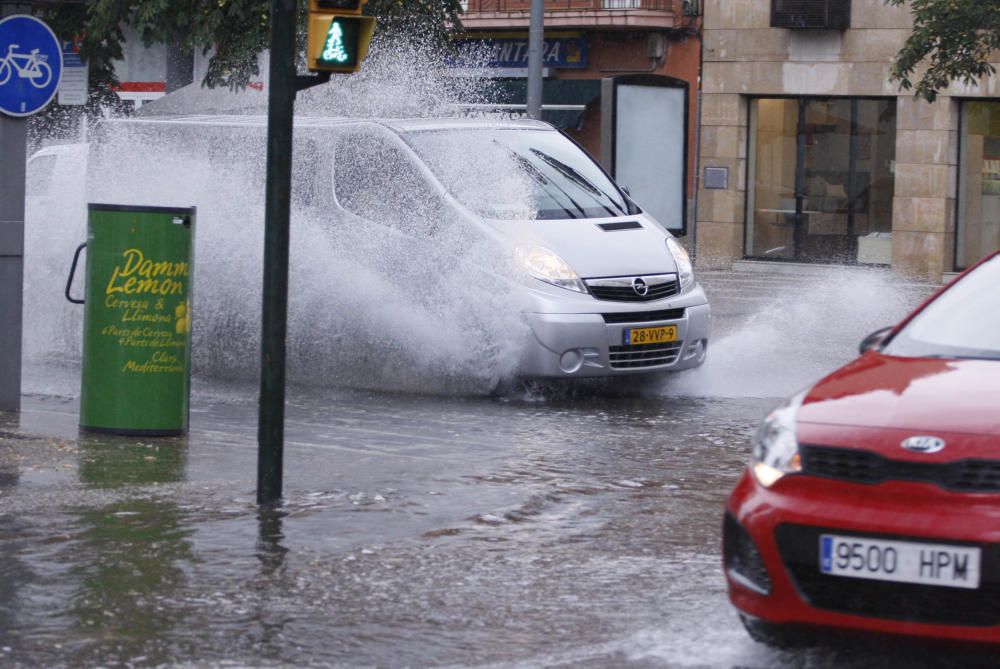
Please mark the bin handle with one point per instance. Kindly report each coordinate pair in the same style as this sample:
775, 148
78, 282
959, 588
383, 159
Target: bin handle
72, 272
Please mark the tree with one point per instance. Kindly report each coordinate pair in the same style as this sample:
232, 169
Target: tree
237, 30
955, 39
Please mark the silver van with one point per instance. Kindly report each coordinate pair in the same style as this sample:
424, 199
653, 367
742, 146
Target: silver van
604, 289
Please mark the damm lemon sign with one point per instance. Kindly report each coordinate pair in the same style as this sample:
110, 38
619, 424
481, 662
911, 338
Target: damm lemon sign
137, 321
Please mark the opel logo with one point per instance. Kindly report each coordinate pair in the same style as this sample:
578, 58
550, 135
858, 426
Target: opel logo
639, 286
923, 444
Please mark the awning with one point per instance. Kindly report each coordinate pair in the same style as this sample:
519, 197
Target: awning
576, 93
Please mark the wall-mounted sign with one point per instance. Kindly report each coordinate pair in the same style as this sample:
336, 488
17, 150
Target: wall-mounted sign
73, 87
716, 177
510, 50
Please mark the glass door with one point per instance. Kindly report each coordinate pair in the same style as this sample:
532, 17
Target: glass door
821, 188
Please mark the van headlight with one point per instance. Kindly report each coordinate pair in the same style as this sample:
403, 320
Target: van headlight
685, 271
775, 446
547, 266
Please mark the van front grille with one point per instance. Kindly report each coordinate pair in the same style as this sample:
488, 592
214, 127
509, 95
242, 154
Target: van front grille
644, 355
644, 316
633, 288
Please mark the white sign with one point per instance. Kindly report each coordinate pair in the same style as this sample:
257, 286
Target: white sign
73, 87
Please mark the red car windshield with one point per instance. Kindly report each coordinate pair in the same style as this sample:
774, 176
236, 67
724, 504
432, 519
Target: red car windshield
964, 322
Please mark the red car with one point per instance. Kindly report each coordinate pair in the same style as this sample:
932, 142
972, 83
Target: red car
872, 499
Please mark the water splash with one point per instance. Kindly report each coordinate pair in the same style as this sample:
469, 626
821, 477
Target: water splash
368, 307
402, 78
804, 330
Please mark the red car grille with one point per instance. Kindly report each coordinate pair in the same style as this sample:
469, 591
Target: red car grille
858, 466
799, 549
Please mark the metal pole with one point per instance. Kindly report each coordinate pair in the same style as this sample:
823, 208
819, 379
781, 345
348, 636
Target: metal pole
13, 143
280, 110
536, 45
14, 149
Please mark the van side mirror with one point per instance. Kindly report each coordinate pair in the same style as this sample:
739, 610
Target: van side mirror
875, 339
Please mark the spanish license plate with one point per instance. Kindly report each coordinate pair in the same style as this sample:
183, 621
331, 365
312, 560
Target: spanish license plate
899, 561
655, 335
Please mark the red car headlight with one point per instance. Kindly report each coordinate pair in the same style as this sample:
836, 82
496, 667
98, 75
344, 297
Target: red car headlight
775, 447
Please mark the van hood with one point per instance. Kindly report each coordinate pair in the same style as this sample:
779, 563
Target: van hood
624, 246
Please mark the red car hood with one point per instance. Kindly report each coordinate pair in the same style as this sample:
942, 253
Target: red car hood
924, 395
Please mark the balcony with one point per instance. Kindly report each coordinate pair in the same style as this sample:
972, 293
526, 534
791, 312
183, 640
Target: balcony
574, 14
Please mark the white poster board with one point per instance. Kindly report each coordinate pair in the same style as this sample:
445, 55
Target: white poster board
650, 133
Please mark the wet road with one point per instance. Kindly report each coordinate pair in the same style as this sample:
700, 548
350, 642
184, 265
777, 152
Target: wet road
416, 532
534, 530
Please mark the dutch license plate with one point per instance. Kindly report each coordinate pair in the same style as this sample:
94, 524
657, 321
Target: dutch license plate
655, 335
899, 561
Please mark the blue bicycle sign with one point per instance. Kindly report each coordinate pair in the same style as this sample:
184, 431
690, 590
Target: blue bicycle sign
30, 65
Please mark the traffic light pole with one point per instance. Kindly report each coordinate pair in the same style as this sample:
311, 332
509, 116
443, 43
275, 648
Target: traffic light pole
283, 83
277, 207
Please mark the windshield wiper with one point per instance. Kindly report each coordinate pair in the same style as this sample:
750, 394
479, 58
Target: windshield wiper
536, 175
576, 177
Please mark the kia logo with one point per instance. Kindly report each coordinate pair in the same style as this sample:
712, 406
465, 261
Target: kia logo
923, 444
639, 286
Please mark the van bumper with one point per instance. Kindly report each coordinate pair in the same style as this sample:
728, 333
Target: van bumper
587, 345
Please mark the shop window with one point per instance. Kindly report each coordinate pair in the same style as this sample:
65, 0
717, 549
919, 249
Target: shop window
821, 183
978, 231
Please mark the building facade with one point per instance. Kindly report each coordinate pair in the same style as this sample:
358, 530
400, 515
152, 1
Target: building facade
634, 60
810, 153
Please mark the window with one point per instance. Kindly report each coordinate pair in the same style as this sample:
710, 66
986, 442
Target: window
379, 182
964, 322
825, 14
978, 232
821, 182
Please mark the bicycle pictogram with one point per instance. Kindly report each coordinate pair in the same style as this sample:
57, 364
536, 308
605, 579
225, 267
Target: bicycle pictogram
32, 67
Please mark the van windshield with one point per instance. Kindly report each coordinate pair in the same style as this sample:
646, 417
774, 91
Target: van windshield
520, 174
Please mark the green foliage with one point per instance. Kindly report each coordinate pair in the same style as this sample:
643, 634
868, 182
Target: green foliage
237, 30
952, 38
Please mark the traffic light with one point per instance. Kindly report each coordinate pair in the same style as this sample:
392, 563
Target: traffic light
338, 35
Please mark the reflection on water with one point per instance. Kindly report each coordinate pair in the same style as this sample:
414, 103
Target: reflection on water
128, 555
270, 550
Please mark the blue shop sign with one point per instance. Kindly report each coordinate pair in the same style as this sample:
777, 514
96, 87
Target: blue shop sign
511, 51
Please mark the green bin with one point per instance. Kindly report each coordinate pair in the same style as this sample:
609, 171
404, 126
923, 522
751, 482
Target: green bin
137, 319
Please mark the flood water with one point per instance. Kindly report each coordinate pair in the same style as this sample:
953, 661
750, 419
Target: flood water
549, 527
416, 532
